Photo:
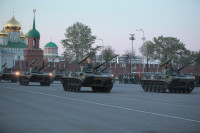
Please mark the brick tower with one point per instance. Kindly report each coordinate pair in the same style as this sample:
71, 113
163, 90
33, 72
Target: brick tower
33, 52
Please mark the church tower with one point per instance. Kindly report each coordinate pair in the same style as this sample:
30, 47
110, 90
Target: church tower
33, 52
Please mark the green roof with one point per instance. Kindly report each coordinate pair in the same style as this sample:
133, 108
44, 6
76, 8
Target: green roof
14, 45
51, 44
34, 33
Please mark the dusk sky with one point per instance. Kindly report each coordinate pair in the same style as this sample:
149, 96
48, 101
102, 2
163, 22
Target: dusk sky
110, 20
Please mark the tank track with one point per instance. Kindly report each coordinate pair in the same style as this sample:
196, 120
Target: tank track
73, 85
105, 89
162, 87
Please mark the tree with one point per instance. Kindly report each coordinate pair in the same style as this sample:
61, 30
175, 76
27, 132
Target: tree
108, 53
147, 49
168, 48
78, 42
128, 56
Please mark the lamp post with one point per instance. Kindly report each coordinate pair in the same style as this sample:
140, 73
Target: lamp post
143, 38
131, 38
102, 48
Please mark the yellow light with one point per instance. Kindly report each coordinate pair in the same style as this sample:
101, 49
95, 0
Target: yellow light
50, 74
117, 59
17, 73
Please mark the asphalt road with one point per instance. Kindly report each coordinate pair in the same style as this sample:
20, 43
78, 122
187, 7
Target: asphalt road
127, 109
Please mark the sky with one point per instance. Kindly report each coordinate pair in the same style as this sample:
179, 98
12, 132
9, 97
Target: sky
111, 21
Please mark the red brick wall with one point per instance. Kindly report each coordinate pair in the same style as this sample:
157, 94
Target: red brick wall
35, 54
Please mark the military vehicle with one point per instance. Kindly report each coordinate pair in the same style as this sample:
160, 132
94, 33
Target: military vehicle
8, 74
169, 79
104, 71
57, 74
35, 75
87, 76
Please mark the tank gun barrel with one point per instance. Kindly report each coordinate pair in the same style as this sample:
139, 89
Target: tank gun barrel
62, 70
187, 65
83, 60
166, 62
43, 67
31, 63
104, 62
107, 67
4, 64
55, 67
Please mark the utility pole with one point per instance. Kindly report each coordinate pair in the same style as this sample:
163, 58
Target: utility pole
131, 38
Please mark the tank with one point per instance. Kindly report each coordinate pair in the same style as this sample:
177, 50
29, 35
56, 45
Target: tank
57, 74
8, 74
35, 75
169, 80
88, 76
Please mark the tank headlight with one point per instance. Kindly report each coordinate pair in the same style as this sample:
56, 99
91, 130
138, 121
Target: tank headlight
17, 73
50, 74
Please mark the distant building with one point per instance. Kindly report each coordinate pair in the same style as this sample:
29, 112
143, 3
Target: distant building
33, 52
122, 59
12, 43
51, 53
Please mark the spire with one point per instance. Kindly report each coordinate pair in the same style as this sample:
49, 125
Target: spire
13, 7
34, 10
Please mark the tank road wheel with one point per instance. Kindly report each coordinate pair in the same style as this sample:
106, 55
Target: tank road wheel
145, 88
47, 83
26, 83
41, 84
108, 88
190, 89
64, 86
78, 85
20, 83
70, 85
183, 90
157, 89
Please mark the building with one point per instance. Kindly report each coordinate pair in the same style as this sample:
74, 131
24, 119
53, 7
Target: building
51, 53
33, 52
12, 43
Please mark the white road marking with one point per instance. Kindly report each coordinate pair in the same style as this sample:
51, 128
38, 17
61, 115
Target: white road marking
107, 105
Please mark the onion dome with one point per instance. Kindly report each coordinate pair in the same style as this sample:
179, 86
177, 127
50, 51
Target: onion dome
33, 32
3, 33
13, 25
51, 45
22, 36
26, 35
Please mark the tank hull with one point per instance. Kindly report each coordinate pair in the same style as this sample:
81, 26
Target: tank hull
43, 79
97, 83
9, 77
180, 85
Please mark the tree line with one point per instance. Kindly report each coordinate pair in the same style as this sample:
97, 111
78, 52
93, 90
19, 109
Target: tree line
79, 42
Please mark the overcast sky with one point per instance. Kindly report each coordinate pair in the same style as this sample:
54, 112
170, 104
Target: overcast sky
110, 20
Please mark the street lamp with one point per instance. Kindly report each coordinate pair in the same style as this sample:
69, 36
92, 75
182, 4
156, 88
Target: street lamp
143, 38
131, 38
102, 48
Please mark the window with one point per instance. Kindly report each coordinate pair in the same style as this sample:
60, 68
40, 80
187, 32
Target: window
33, 43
